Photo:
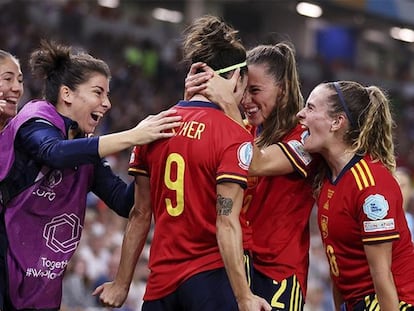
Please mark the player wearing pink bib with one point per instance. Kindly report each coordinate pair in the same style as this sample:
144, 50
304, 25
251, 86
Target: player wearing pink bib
360, 214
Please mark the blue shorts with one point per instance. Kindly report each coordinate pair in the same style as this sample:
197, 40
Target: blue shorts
205, 291
284, 295
370, 302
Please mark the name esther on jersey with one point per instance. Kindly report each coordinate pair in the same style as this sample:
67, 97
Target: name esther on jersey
190, 129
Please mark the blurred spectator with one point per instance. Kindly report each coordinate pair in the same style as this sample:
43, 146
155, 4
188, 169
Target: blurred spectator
403, 176
315, 296
77, 287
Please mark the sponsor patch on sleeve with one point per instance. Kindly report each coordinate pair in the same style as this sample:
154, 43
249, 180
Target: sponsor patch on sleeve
376, 207
297, 148
379, 225
245, 155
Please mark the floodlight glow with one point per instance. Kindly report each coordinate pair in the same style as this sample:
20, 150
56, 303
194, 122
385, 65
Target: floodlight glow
167, 15
402, 34
309, 9
109, 3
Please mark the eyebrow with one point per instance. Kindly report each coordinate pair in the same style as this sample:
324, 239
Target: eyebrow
99, 87
11, 73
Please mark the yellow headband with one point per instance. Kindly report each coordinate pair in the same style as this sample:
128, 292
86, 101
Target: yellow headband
230, 68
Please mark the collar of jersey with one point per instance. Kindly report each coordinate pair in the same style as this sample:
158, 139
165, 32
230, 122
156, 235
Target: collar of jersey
197, 103
356, 158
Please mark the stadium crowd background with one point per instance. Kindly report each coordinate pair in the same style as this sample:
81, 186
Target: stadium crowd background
148, 76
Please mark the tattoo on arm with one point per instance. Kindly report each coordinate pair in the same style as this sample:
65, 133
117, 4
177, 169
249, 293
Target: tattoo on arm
224, 205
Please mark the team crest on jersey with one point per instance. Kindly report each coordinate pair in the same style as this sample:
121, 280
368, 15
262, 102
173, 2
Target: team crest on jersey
298, 149
245, 155
376, 207
324, 226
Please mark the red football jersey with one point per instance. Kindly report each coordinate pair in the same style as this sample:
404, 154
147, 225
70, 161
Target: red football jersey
364, 205
208, 148
278, 210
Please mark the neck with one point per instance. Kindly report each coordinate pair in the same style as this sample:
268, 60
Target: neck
199, 97
337, 160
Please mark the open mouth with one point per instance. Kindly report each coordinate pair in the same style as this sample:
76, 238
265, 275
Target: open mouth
11, 101
251, 111
96, 116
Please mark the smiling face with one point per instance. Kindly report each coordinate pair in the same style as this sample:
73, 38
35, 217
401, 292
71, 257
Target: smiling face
261, 94
11, 85
315, 117
88, 103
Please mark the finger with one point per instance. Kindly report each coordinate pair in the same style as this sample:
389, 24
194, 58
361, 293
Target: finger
197, 88
208, 69
97, 290
168, 120
195, 67
197, 79
161, 115
168, 126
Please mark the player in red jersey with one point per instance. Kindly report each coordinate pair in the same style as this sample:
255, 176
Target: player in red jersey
360, 214
278, 201
193, 185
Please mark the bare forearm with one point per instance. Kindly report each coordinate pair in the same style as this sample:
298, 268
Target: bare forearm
132, 245
230, 244
386, 292
113, 143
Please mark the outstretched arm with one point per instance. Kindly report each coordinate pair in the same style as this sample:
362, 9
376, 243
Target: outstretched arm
114, 294
151, 128
269, 161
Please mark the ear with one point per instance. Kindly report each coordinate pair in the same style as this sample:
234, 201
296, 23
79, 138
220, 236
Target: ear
338, 122
65, 94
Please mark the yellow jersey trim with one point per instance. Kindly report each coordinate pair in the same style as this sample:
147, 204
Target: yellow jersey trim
235, 177
137, 171
293, 160
380, 239
362, 175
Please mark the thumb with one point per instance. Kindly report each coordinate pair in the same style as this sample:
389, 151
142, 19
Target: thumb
97, 290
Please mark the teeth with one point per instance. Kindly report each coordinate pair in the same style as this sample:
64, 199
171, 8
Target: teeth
252, 110
11, 101
99, 114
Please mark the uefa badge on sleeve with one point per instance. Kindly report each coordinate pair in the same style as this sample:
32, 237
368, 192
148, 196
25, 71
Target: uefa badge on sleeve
376, 207
245, 155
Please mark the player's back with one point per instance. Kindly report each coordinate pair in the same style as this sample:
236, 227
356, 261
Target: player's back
184, 171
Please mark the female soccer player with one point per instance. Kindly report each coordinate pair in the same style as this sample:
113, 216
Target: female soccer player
48, 164
360, 214
193, 185
11, 86
278, 201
